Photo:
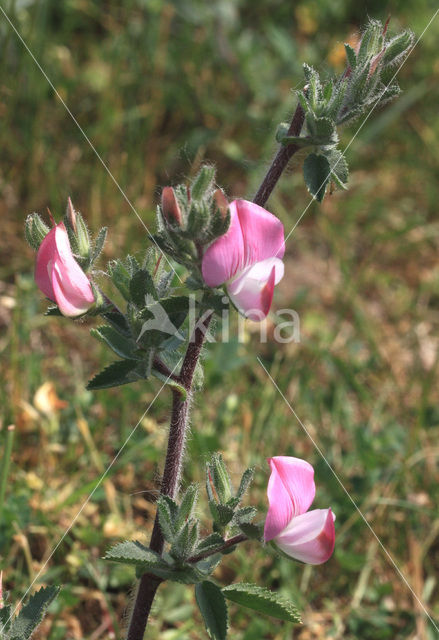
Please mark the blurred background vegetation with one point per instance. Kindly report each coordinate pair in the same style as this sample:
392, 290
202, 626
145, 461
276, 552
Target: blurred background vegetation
159, 87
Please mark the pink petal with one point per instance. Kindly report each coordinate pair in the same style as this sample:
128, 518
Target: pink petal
290, 492
225, 256
309, 537
263, 233
43, 264
72, 288
252, 290
60, 277
253, 236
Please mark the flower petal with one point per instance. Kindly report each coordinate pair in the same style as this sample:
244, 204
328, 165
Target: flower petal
262, 232
252, 290
60, 277
73, 292
43, 264
309, 537
290, 492
225, 257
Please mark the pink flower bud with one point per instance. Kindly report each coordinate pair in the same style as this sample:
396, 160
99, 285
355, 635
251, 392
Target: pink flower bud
307, 536
60, 277
247, 258
170, 209
221, 202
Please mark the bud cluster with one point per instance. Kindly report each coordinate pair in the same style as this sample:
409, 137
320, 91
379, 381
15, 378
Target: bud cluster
191, 217
367, 81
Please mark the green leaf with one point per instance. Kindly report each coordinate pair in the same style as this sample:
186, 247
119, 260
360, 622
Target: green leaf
252, 531
99, 244
246, 479
167, 519
117, 321
32, 613
261, 600
213, 541
396, 48
187, 504
351, 56
282, 131
316, 171
6, 617
120, 276
133, 552
170, 382
220, 478
339, 167
213, 608
141, 286
245, 515
121, 345
116, 374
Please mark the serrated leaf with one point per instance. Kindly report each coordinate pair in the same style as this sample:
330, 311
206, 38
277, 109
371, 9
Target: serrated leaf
141, 286
5, 617
224, 514
32, 613
213, 541
213, 608
316, 172
252, 531
118, 321
339, 168
261, 600
245, 515
208, 565
116, 374
120, 276
121, 345
133, 552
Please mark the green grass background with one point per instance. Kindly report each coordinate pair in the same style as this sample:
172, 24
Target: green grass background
159, 87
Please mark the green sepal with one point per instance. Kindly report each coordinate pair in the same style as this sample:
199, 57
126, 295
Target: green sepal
188, 503
35, 230
220, 478
53, 310
316, 172
116, 374
396, 48
246, 480
262, 600
213, 608
203, 182
121, 345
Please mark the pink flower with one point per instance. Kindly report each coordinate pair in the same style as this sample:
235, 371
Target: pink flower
248, 258
60, 277
308, 536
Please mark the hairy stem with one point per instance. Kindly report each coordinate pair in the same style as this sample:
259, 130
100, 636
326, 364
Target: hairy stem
148, 583
281, 159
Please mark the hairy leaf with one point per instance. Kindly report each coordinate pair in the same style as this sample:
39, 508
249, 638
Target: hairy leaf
262, 600
213, 608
